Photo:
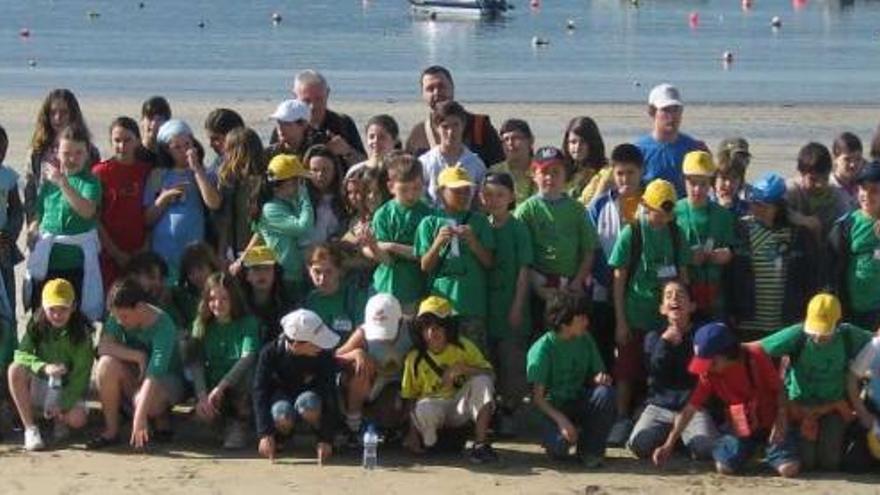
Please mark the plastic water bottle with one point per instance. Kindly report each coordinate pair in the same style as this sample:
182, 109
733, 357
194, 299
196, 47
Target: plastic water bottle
371, 448
53, 395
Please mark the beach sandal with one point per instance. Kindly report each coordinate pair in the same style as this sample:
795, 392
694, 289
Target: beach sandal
100, 442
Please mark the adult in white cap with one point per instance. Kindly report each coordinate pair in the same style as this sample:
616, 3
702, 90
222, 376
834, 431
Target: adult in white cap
664, 147
295, 380
291, 131
373, 357
343, 139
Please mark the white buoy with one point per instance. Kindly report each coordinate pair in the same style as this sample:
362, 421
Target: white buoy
32, 62
727, 57
776, 22
276, 18
537, 41
570, 25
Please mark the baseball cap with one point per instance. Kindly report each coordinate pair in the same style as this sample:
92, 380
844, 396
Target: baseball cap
698, 163
382, 317
58, 292
823, 313
869, 173
712, 339
454, 177
731, 146
259, 256
306, 326
283, 167
436, 306
664, 95
660, 195
292, 111
770, 188
547, 155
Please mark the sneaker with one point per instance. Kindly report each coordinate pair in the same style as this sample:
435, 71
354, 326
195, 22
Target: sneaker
592, 461
235, 436
60, 431
32, 439
482, 453
620, 432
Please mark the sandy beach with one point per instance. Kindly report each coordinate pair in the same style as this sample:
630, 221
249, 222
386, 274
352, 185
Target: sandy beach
193, 465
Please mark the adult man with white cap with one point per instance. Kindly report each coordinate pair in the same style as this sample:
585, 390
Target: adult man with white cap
664, 148
295, 380
373, 357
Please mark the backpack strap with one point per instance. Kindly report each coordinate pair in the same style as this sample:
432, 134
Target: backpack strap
426, 357
479, 133
635, 251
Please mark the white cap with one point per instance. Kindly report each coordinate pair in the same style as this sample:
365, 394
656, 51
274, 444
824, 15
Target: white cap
664, 95
382, 317
292, 111
305, 325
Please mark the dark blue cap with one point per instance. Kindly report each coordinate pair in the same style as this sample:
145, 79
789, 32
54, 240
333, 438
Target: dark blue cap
711, 339
869, 173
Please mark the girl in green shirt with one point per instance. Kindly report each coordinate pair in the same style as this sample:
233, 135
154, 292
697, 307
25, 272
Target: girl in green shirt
225, 343
52, 366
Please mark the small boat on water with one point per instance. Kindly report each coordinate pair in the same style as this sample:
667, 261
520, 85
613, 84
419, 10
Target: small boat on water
436, 9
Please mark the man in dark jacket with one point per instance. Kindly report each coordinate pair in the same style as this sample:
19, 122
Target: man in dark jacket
295, 381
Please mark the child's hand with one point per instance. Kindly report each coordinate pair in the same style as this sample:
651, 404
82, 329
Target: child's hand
215, 398
56, 370
204, 409
661, 454
672, 335
267, 447
363, 365
170, 195
444, 235
466, 232
54, 175
603, 379
721, 256
324, 451
140, 435
235, 267
192, 159
568, 431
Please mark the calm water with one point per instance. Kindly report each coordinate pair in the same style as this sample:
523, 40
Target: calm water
826, 51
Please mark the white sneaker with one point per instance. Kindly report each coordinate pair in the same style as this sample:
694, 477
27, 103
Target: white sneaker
235, 436
32, 439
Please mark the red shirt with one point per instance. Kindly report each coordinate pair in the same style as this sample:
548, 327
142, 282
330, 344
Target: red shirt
122, 210
732, 386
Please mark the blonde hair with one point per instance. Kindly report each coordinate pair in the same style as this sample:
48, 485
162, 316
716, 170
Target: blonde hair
245, 156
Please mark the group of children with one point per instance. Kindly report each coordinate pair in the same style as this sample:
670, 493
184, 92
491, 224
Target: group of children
287, 288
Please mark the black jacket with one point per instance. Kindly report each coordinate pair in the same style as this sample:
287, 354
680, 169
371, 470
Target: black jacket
669, 381
281, 375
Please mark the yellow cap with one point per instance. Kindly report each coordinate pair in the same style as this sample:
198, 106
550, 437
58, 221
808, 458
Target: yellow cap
58, 292
698, 163
436, 306
660, 195
259, 256
823, 313
283, 167
454, 177
874, 444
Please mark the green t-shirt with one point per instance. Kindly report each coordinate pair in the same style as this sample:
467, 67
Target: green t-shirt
863, 271
656, 264
708, 227
225, 343
461, 279
564, 367
513, 252
282, 225
342, 311
58, 217
159, 342
818, 375
57, 346
562, 235
402, 278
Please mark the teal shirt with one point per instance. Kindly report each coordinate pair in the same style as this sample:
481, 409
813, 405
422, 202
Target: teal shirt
282, 225
564, 367
159, 341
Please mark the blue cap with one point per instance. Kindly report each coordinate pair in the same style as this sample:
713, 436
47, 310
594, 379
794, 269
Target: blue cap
869, 173
710, 340
172, 128
768, 189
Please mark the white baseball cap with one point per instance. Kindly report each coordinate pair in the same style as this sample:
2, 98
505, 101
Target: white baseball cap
665, 95
382, 317
305, 325
292, 111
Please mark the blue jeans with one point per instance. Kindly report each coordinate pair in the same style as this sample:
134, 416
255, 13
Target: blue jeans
733, 452
284, 409
593, 415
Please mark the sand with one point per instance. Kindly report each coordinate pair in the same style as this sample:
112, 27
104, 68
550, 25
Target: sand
194, 465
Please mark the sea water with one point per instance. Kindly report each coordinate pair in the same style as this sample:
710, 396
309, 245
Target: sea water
825, 52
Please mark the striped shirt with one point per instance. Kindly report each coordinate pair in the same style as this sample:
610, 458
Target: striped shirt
769, 249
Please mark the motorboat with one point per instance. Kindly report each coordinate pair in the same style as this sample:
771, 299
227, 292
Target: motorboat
436, 9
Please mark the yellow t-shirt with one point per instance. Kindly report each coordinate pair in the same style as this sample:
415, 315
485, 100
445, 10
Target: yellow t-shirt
523, 183
600, 182
422, 382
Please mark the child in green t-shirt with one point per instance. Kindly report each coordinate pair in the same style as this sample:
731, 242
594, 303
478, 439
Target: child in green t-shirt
709, 232
225, 343
456, 249
509, 315
816, 380
647, 253
563, 239
338, 301
569, 382
857, 247
394, 228
52, 366
261, 280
